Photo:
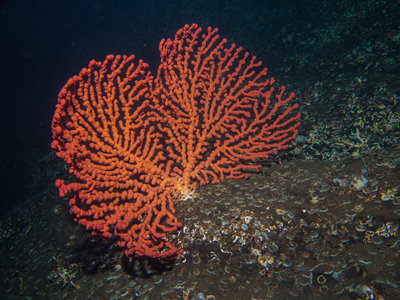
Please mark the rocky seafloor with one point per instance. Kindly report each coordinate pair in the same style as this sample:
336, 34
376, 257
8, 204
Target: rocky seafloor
297, 228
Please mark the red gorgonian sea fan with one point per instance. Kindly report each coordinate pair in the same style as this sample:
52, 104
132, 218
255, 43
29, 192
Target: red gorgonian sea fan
134, 143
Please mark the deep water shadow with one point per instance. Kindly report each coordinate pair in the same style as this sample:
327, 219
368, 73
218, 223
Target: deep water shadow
97, 255
146, 267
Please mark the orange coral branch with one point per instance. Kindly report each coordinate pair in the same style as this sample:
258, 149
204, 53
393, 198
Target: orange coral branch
134, 143
100, 128
219, 109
